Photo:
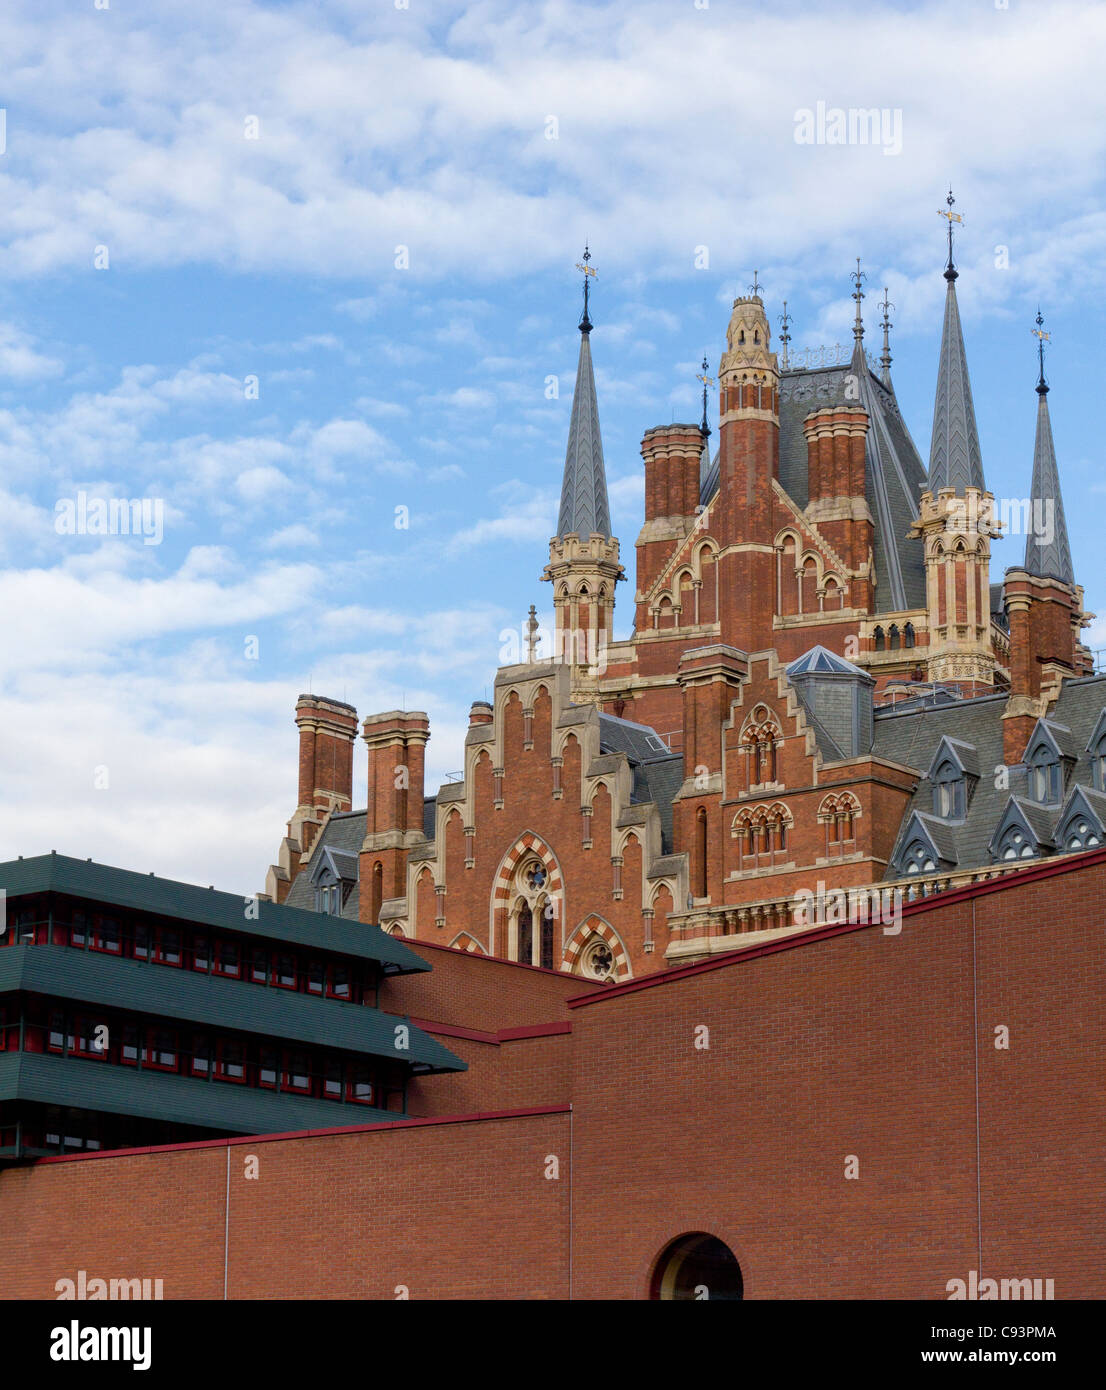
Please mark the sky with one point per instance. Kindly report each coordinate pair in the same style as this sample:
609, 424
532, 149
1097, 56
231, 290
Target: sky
293, 275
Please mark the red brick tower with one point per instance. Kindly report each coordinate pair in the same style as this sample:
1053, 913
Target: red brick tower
1043, 602
393, 820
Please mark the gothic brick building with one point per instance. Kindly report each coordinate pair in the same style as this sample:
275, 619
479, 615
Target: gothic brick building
823, 686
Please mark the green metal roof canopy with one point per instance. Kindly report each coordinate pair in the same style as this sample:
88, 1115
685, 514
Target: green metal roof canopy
165, 897
109, 982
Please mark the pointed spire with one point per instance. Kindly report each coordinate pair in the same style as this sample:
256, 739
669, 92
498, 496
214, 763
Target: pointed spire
886, 325
954, 457
785, 337
858, 294
1047, 551
585, 507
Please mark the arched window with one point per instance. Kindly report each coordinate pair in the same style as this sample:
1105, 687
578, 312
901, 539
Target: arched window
1015, 844
908, 635
525, 952
949, 792
1046, 781
878, 639
917, 858
1080, 833
893, 638
596, 959
1098, 764
700, 888
547, 936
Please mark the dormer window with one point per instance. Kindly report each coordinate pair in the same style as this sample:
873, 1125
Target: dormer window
1015, 844
1046, 780
1081, 833
949, 792
918, 858
953, 772
1098, 764
328, 898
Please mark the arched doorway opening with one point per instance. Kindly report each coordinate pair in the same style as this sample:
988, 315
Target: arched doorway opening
695, 1267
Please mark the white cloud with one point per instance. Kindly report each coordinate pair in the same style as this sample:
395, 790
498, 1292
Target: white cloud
20, 360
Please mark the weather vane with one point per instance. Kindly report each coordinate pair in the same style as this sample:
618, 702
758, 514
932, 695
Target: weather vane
1042, 338
707, 381
532, 635
785, 335
950, 217
756, 287
588, 272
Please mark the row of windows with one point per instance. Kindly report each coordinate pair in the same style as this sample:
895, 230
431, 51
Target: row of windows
212, 1057
184, 948
892, 639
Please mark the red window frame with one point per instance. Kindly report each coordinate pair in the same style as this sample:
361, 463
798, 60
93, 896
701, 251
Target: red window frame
358, 1076
331, 985
332, 1079
79, 930
280, 957
201, 1048
221, 945
222, 1048
316, 971
287, 1082
143, 946
97, 940
269, 1060
258, 954
162, 954
56, 1025
201, 942
83, 1038
131, 1038
153, 1051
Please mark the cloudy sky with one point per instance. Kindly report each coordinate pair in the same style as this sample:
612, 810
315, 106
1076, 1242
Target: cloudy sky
285, 268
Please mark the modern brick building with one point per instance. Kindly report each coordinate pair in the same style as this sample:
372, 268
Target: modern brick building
844, 1112
136, 1010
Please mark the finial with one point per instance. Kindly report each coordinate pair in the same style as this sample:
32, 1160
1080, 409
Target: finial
950, 217
785, 336
858, 294
588, 273
532, 634
1042, 338
756, 287
885, 359
707, 381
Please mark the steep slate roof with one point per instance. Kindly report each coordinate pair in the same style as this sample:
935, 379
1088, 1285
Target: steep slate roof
584, 504
1049, 557
894, 473
188, 902
954, 456
911, 735
658, 773
344, 832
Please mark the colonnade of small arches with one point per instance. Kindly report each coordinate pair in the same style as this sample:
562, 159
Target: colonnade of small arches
691, 599
804, 584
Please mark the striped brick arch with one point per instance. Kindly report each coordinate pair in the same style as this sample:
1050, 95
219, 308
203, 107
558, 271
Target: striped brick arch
464, 942
526, 846
593, 926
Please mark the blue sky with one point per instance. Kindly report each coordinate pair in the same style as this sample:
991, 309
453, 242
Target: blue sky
139, 731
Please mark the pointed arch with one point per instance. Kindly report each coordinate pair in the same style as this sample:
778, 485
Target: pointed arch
591, 930
529, 845
463, 941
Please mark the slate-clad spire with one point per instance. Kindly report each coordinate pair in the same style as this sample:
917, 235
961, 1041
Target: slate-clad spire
1047, 552
954, 457
584, 504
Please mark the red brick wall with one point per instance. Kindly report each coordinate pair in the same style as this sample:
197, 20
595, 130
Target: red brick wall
855, 1043
335, 1216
